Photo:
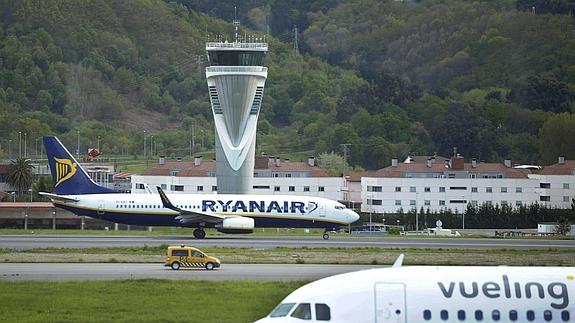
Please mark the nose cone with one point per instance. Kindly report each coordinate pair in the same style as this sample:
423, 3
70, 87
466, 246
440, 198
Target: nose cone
352, 216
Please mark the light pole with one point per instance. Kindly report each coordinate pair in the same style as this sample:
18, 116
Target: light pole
19, 144
98, 143
145, 146
78, 144
463, 214
25, 141
30, 190
152, 146
10, 149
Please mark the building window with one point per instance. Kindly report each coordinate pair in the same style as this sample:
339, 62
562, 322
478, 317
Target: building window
412, 189
442, 189
321, 189
177, 188
376, 202
441, 202
451, 176
139, 186
488, 190
200, 188
518, 190
412, 202
472, 175
164, 186
374, 188
427, 189
397, 202
214, 188
288, 175
174, 173
427, 202
457, 201
518, 203
504, 190
275, 175
458, 188
292, 188
398, 188
276, 188
474, 190
545, 185
544, 198
261, 187
565, 198
566, 186
306, 188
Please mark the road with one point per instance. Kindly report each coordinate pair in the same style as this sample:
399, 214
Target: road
89, 271
86, 241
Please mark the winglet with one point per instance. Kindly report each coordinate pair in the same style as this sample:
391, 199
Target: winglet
398, 262
165, 201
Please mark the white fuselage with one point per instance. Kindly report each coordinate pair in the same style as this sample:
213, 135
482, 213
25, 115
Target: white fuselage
437, 294
268, 210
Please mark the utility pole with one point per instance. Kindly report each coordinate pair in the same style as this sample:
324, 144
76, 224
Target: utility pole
295, 41
345, 154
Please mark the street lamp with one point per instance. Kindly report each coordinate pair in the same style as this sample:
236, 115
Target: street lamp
25, 141
19, 144
145, 146
78, 146
30, 190
10, 149
152, 145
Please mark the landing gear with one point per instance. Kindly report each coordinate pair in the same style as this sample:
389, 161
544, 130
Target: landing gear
199, 233
325, 236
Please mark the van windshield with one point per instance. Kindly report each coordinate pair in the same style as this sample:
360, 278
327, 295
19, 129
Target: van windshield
282, 310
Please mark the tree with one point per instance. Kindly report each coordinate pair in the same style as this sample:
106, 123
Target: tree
20, 174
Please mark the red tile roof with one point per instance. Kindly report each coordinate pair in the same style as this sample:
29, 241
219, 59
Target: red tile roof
403, 168
567, 168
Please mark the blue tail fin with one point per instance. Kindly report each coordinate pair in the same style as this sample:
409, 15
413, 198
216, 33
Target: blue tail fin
68, 176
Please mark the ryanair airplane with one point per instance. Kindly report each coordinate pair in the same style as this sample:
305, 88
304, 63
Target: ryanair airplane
434, 294
77, 193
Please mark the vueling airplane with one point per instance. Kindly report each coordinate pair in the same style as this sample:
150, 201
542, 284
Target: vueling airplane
434, 294
77, 193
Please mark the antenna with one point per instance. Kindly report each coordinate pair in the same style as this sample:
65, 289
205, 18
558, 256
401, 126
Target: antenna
345, 151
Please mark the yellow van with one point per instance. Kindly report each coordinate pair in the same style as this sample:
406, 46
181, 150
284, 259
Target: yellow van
182, 256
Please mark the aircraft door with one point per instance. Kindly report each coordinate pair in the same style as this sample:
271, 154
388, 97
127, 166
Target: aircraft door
390, 303
101, 207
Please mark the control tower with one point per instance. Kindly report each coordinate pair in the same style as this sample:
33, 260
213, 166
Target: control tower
236, 78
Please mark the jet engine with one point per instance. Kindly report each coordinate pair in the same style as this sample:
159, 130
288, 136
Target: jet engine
237, 225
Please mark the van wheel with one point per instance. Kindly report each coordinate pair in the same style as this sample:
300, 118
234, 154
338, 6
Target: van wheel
175, 265
209, 266
325, 236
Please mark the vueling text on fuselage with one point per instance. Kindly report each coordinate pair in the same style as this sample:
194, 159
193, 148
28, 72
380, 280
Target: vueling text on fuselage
252, 206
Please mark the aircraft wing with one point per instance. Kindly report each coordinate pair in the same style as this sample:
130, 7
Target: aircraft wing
58, 197
187, 216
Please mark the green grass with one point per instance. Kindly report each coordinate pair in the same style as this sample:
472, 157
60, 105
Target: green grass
284, 255
140, 301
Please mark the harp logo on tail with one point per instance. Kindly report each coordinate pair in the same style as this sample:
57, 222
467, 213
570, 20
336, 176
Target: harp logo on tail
65, 169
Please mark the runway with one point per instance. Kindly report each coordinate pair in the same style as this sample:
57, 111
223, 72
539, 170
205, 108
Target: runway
90, 271
336, 241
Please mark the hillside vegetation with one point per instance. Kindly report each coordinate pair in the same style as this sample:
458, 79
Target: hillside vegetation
495, 79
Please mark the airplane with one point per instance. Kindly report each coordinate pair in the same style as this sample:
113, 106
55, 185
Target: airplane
434, 294
78, 193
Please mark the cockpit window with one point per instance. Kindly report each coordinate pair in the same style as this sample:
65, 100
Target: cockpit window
302, 311
338, 207
282, 310
322, 312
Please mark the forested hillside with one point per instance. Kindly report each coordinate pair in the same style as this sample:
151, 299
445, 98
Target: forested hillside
495, 79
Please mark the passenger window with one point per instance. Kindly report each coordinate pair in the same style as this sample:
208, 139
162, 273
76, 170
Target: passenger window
565, 316
547, 315
427, 315
322, 312
302, 311
197, 254
495, 315
530, 315
444, 315
513, 315
478, 315
461, 315
282, 310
